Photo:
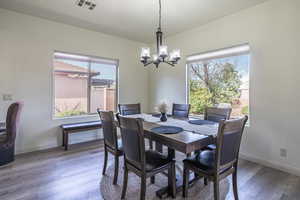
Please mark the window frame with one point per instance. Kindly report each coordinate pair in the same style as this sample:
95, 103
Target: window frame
187, 70
88, 85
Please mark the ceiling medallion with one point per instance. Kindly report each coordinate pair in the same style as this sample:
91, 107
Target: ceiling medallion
162, 55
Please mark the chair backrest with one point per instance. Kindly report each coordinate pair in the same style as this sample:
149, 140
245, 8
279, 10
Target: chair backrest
12, 121
229, 141
181, 110
217, 114
109, 128
129, 109
133, 141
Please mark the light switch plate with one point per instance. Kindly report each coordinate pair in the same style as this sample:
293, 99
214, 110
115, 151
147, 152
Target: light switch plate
283, 153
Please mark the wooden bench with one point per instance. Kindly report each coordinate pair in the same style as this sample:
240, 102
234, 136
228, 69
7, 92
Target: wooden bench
77, 127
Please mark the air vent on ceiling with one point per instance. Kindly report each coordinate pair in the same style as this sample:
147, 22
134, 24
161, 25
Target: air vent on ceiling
90, 4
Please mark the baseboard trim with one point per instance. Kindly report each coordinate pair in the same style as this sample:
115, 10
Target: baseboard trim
271, 164
38, 148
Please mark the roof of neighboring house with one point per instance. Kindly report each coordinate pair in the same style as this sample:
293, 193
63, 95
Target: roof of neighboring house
69, 68
65, 68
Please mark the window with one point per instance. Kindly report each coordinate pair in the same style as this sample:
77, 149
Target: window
219, 78
83, 84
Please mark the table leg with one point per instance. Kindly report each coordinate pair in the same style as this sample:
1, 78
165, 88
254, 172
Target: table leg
166, 191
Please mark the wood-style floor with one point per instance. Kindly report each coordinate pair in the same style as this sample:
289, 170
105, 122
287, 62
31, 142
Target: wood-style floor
75, 175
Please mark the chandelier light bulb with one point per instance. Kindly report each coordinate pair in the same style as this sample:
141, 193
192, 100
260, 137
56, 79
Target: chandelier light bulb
155, 57
145, 53
176, 53
163, 51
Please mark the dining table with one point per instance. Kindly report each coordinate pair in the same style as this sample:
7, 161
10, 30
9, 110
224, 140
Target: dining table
191, 139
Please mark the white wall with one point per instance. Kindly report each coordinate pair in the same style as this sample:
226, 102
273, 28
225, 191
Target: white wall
272, 29
26, 47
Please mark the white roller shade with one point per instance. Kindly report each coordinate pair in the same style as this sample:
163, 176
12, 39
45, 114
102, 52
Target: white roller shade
226, 52
82, 58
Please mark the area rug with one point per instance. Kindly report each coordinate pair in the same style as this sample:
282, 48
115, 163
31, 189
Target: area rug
113, 192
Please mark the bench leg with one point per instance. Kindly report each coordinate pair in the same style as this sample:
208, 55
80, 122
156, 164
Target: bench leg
66, 141
63, 138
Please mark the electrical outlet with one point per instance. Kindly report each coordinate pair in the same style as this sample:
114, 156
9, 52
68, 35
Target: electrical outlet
283, 153
7, 97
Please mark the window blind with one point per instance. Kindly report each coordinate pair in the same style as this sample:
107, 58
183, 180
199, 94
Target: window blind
226, 52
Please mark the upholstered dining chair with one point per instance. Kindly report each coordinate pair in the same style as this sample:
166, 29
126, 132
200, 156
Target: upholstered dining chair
7, 139
216, 165
216, 114
181, 110
143, 163
130, 109
111, 142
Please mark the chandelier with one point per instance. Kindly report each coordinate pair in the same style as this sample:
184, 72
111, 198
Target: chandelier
162, 55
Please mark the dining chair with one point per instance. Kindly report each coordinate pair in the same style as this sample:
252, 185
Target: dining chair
215, 165
130, 109
181, 110
111, 142
143, 163
7, 139
216, 114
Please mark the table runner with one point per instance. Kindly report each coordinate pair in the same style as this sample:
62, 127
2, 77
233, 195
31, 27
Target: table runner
207, 129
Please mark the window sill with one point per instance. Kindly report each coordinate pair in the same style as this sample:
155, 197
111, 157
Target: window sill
76, 117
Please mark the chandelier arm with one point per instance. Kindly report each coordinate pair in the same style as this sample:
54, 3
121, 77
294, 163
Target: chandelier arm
148, 63
169, 63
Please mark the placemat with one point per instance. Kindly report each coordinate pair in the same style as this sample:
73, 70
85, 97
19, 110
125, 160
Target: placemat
201, 122
167, 129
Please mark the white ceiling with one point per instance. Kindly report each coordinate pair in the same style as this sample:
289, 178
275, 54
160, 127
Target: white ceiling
132, 19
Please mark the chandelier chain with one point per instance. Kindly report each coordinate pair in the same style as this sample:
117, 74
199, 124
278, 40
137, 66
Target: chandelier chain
159, 14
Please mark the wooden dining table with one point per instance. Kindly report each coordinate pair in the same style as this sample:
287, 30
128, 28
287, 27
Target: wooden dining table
191, 139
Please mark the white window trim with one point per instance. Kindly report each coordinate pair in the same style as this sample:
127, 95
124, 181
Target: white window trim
245, 49
85, 116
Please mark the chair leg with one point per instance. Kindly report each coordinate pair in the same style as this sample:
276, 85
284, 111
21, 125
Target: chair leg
143, 188
105, 161
152, 179
125, 180
186, 178
205, 181
234, 183
172, 180
116, 170
150, 144
216, 189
